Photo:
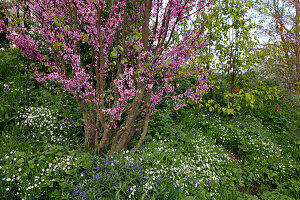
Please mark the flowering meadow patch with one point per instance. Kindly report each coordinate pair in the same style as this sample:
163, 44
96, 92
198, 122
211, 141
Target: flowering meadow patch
187, 163
184, 156
267, 161
32, 175
44, 124
160, 170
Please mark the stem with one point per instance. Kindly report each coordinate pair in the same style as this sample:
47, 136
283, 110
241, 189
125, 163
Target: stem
142, 138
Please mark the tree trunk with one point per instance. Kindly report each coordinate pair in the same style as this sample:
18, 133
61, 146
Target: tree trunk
91, 131
297, 47
145, 130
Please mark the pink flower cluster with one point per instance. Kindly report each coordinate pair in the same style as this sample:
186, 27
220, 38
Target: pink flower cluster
152, 64
2, 26
29, 47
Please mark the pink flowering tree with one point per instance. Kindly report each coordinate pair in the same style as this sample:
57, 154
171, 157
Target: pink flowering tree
117, 58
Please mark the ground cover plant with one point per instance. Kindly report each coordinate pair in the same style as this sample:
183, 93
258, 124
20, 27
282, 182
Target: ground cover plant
120, 100
266, 159
195, 155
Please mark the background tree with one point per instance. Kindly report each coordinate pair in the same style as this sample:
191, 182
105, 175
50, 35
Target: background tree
3, 40
116, 58
230, 53
283, 49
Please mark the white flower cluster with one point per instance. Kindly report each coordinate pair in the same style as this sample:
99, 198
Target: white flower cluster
12, 89
264, 150
44, 170
194, 169
132, 190
63, 164
45, 124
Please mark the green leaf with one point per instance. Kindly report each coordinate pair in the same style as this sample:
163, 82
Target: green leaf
67, 27
136, 37
189, 198
31, 163
71, 172
20, 161
105, 58
123, 61
121, 48
114, 54
137, 47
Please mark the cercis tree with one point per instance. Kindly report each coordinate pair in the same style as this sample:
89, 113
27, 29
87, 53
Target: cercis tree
116, 57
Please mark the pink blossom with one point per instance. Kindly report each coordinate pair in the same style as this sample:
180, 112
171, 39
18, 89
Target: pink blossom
145, 71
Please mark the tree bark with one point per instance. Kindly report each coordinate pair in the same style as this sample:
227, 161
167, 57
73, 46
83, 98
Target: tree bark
145, 131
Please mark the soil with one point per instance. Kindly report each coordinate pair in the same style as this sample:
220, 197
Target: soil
252, 189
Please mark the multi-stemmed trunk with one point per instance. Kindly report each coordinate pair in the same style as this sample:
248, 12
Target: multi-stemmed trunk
102, 137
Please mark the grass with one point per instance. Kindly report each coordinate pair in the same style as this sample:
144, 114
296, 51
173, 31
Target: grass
195, 155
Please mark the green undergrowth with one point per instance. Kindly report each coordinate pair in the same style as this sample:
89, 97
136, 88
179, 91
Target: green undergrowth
270, 166
187, 154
